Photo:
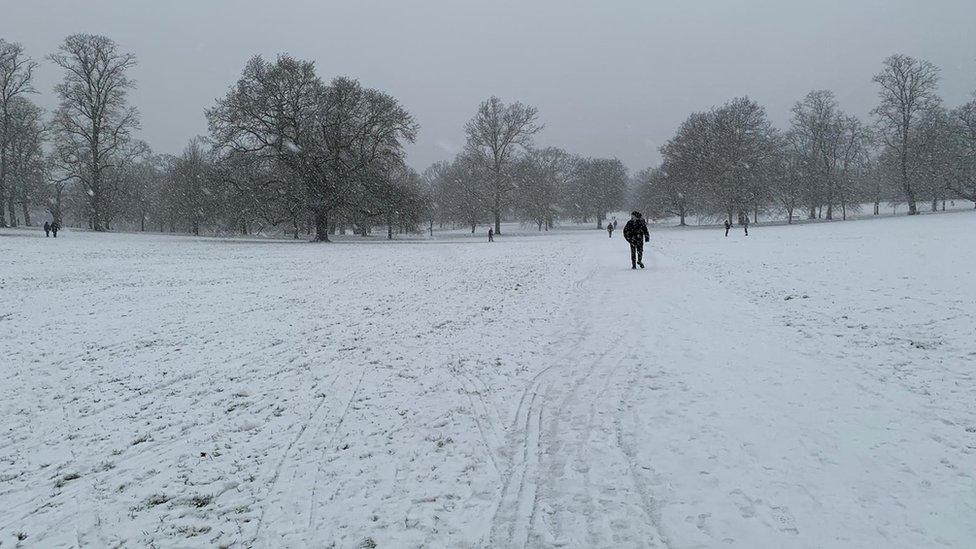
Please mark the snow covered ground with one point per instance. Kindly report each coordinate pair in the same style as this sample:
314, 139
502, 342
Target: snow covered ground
809, 386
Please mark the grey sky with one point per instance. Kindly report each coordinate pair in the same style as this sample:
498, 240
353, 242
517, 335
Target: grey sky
610, 78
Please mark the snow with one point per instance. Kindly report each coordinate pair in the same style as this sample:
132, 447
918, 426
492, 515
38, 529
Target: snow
807, 386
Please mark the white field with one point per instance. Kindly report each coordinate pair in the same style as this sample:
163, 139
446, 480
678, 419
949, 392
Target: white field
810, 386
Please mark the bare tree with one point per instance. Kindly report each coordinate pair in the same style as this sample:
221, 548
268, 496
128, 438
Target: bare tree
16, 72
541, 176
94, 121
339, 141
907, 89
26, 168
495, 136
963, 184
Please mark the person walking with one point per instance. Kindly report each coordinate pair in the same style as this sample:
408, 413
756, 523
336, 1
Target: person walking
610, 230
635, 233
491, 235
745, 224
54, 228
728, 225
47, 229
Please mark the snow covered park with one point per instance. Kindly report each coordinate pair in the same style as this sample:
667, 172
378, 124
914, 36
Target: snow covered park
807, 386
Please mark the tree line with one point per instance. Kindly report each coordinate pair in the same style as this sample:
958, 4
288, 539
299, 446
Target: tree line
730, 162
286, 151
290, 152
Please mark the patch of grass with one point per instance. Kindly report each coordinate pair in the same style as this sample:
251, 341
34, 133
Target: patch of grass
157, 499
66, 479
201, 501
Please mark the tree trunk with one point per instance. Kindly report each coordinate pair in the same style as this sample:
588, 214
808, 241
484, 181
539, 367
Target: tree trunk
830, 212
877, 207
935, 204
389, 231
789, 216
27, 219
321, 225
12, 206
906, 185
3, 174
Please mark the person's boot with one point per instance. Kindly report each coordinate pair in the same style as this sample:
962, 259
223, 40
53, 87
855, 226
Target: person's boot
641, 263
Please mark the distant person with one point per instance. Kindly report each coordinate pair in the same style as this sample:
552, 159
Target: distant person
47, 229
491, 234
635, 233
614, 222
745, 224
728, 225
54, 228
610, 230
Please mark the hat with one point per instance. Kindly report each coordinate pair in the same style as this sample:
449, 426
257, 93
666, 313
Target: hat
635, 214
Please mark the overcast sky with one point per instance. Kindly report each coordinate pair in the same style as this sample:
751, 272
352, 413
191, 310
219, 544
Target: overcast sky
610, 78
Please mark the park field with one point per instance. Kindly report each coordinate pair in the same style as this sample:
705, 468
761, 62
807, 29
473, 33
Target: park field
805, 386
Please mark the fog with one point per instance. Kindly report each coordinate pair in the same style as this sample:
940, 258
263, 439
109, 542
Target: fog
609, 79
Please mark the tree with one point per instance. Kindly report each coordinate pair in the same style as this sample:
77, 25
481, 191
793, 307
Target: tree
787, 182
661, 195
340, 141
963, 183
688, 166
933, 160
741, 143
16, 73
26, 168
907, 89
94, 122
495, 136
541, 176
462, 193
191, 178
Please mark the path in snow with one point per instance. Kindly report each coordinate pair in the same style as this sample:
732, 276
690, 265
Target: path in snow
805, 387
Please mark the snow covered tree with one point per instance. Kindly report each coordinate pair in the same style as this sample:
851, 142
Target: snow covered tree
16, 73
496, 136
907, 90
94, 122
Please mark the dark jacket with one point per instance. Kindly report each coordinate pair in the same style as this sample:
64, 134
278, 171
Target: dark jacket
636, 230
